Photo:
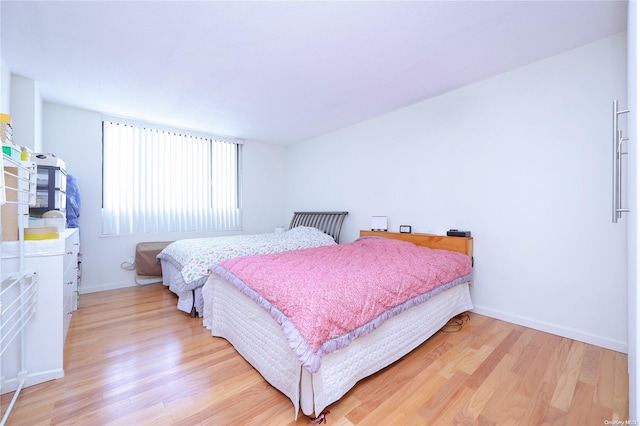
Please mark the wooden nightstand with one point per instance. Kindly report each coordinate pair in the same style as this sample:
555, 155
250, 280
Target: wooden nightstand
459, 244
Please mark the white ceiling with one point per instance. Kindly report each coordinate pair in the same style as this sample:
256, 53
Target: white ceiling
281, 72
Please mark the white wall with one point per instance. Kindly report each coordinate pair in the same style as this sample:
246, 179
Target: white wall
26, 113
523, 161
20, 97
5, 88
75, 136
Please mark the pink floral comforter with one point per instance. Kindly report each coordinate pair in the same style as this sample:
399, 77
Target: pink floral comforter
325, 297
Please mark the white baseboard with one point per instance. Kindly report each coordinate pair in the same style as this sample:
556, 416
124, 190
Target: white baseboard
148, 280
570, 333
11, 384
84, 289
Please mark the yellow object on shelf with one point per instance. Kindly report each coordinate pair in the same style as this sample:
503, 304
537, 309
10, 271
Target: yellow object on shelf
5, 118
48, 233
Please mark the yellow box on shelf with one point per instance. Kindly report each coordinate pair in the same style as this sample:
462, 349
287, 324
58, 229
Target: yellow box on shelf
48, 233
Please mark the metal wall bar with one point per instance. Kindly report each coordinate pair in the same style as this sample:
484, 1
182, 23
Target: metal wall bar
618, 153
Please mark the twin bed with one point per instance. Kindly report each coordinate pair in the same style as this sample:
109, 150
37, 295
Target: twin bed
315, 321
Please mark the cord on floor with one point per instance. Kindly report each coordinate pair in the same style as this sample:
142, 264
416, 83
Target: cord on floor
455, 324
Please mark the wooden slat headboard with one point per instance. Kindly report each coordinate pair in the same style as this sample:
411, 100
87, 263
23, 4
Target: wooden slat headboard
328, 222
459, 244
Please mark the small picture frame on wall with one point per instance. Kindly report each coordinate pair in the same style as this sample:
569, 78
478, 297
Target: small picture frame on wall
405, 229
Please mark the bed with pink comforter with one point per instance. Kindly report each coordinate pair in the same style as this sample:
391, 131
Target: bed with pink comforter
324, 298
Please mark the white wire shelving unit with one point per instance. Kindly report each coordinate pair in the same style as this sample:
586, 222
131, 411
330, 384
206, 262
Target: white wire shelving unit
19, 288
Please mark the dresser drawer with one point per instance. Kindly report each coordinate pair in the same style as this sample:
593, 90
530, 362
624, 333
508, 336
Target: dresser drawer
70, 253
69, 295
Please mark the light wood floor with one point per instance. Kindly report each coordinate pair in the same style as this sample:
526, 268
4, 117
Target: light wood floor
131, 358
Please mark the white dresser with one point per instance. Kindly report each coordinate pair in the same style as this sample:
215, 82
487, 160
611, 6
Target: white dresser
56, 263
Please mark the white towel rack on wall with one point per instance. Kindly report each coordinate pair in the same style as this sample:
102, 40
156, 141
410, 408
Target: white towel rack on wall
18, 289
618, 153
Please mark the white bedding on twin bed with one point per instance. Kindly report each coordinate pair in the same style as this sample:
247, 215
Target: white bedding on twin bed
259, 339
185, 263
185, 298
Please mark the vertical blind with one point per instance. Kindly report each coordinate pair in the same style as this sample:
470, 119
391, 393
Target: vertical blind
163, 181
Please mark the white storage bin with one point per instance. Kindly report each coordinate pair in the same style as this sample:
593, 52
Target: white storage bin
58, 223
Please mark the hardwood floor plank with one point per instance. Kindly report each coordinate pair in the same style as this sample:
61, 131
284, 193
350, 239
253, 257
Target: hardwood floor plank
449, 414
555, 416
484, 394
538, 404
481, 327
605, 380
523, 342
406, 401
621, 388
513, 410
598, 413
443, 398
487, 366
492, 334
567, 381
557, 364
580, 408
131, 358
534, 371
379, 388
589, 367
526, 359
466, 360
505, 383
471, 412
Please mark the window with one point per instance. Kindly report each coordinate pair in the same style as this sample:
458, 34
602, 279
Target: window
157, 180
